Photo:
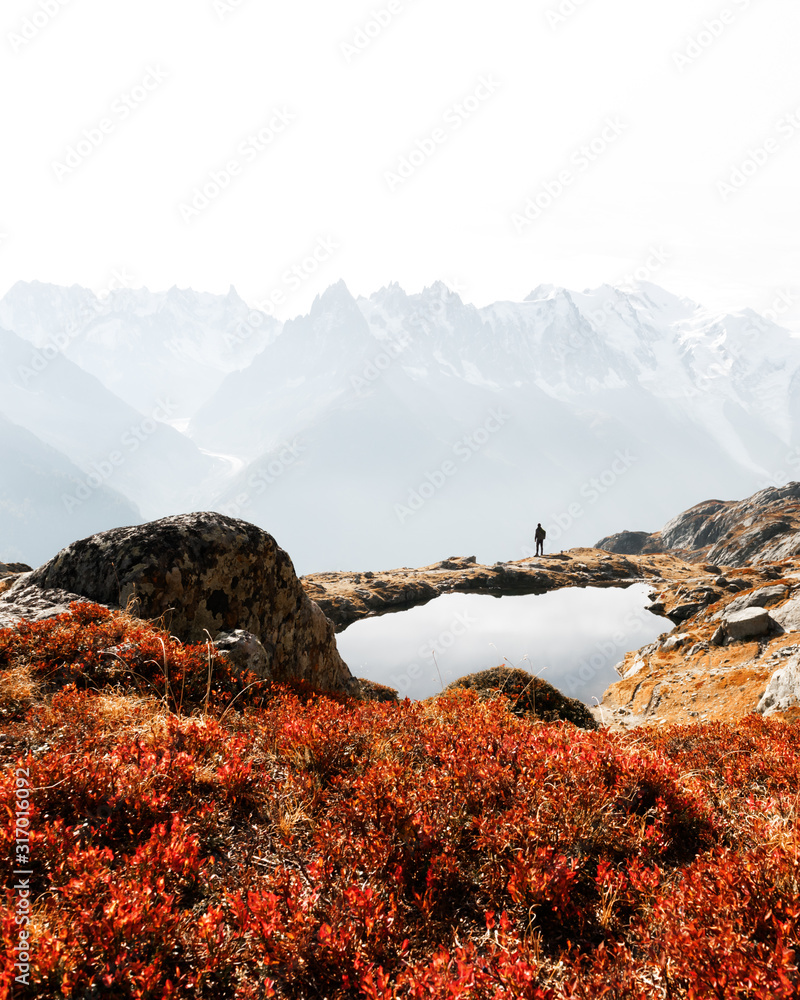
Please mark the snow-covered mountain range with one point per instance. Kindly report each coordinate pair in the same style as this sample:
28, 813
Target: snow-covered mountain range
390, 430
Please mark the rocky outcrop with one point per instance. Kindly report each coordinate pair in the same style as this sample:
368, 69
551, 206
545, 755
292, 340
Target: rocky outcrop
721, 661
203, 574
346, 597
783, 689
788, 615
632, 543
763, 528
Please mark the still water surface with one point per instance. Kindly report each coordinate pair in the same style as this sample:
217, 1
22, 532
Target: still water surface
571, 637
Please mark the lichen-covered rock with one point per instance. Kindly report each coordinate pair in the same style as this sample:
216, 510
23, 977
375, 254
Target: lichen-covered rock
206, 573
245, 653
528, 695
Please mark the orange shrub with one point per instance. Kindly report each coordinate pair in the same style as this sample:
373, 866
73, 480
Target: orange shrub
310, 847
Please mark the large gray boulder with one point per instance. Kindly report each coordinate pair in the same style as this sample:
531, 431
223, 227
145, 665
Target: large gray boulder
755, 599
747, 624
205, 574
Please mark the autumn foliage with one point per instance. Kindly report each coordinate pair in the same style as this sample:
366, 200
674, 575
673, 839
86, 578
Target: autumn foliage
189, 843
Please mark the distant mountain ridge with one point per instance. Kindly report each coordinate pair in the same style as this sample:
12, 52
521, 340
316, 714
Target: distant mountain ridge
361, 434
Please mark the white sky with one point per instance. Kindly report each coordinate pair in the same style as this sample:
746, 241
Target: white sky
232, 64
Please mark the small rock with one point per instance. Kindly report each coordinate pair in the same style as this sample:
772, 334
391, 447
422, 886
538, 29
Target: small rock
674, 641
527, 695
245, 652
718, 638
634, 668
13, 569
457, 562
373, 691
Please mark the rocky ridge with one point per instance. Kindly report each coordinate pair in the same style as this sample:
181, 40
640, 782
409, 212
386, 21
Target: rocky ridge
346, 597
763, 528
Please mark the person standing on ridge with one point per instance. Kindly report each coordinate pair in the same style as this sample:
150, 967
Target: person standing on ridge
540, 536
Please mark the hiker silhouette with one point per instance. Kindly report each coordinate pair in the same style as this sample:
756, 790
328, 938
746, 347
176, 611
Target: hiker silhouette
540, 536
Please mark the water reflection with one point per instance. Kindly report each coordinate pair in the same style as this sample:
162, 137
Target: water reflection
572, 638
